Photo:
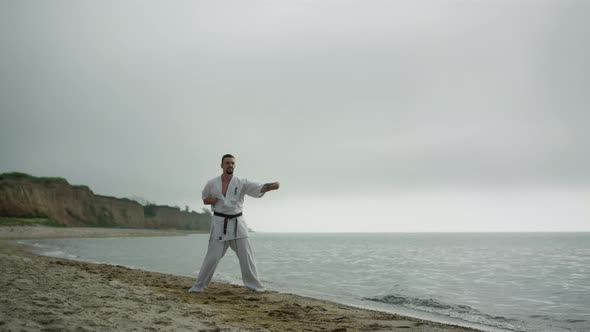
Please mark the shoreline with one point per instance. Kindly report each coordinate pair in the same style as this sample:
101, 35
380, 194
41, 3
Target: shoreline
58, 294
44, 232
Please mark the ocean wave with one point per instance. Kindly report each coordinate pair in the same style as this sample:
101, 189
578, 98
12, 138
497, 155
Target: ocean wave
457, 311
49, 250
59, 254
36, 245
553, 319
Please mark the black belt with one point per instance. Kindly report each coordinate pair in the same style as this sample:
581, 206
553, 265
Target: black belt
228, 217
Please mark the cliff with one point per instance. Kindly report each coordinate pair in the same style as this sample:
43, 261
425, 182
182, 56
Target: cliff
26, 196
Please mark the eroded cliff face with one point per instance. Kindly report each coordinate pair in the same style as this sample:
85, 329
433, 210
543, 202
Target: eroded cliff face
22, 195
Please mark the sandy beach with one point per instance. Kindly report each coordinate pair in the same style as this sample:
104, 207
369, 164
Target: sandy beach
49, 294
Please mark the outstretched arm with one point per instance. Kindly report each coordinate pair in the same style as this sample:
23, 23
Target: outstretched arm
270, 186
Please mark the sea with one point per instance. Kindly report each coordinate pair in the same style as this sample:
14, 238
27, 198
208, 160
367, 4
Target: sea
491, 281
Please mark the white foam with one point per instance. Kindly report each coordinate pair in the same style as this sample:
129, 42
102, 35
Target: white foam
59, 254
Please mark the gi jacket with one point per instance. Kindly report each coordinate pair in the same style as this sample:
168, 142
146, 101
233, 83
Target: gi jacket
230, 204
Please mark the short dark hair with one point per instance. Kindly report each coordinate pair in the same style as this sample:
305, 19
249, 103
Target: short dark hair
227, 156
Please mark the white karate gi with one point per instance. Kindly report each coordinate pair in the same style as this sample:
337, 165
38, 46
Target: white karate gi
236, 235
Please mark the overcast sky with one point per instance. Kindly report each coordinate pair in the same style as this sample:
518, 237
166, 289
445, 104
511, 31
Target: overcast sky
433, 115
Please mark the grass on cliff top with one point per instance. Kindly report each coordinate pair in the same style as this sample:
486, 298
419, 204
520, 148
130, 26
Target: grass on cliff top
25, 176
11, 221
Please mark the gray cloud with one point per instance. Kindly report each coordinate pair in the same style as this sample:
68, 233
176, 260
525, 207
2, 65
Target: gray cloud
139, 98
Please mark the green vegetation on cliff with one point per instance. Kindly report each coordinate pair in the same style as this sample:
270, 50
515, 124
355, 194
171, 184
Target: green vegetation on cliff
25, 176
8, 221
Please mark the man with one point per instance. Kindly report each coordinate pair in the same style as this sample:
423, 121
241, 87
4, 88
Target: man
225, 194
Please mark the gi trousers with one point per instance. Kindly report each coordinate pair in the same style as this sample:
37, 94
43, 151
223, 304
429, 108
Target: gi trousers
217, 250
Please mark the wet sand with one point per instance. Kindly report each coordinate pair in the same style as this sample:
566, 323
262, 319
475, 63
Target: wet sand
43, 232
49, 294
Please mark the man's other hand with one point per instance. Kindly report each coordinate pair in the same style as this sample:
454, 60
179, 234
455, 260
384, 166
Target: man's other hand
210, 201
